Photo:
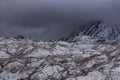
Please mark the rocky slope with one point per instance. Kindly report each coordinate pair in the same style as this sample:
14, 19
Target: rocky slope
29, 60
96, 29
87, 58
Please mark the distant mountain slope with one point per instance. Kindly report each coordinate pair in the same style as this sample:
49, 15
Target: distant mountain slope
95, 29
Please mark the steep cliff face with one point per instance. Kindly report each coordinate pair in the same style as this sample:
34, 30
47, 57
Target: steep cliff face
96, 29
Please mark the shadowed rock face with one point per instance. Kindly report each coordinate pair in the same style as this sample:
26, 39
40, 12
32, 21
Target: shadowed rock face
95, 29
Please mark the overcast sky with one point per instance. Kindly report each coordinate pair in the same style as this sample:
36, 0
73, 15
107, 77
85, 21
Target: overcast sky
52, 19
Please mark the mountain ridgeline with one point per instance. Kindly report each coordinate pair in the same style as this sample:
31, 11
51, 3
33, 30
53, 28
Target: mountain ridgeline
87, 59
95, 29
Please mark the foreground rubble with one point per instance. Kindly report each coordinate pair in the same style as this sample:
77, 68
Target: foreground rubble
29, 60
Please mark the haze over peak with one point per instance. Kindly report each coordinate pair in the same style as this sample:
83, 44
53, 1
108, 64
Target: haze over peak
52, 19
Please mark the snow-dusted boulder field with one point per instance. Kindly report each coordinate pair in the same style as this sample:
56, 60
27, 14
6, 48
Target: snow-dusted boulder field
88, 59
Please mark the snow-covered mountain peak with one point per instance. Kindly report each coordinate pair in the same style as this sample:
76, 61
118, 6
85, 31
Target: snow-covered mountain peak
96, 29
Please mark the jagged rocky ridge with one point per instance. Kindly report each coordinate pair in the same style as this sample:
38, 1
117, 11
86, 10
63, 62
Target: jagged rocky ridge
95, 29
87, 59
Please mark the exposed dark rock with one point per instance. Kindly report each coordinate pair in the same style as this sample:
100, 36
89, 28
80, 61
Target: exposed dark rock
95, 29
19, 37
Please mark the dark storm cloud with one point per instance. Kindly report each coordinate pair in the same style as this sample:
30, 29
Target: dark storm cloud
51, 19
38, 12
33, 14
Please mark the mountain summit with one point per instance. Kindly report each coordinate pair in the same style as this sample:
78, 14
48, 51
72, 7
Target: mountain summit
95, 29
